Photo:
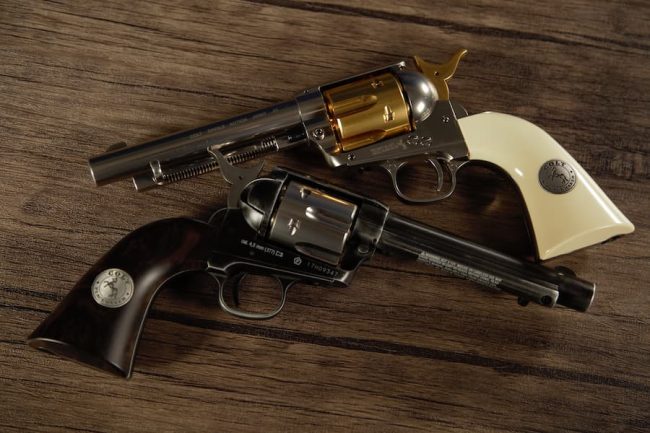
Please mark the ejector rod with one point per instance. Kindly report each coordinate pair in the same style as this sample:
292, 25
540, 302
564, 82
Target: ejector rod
225, 136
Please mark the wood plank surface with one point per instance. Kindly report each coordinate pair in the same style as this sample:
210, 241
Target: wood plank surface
405, 348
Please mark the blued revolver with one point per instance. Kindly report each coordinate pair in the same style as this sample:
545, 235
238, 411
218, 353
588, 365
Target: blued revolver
287, 226
393, 117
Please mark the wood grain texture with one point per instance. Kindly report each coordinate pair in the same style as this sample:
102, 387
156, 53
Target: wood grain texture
405, 348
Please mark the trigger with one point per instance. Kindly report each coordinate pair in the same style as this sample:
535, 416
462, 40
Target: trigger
228, 284
438, 168
235, 295
235, 289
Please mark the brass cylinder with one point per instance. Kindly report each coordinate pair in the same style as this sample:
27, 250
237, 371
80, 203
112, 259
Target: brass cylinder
367, 110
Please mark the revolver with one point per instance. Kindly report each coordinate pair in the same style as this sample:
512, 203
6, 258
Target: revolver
286, 226
393, 117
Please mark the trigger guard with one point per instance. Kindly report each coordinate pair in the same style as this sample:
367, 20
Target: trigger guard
284, 282
393, 168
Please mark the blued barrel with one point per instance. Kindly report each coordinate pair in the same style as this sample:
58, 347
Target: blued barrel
526, 280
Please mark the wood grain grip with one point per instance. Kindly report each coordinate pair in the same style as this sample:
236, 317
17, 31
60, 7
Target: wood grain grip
107, 337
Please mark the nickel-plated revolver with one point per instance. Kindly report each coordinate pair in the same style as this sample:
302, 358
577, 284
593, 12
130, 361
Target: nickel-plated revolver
287, 226
392, 117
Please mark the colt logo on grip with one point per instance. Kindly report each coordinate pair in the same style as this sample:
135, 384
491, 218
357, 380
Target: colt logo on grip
112, 288
557, 176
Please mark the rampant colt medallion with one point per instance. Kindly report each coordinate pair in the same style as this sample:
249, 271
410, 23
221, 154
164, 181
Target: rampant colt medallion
557, 176
112, 288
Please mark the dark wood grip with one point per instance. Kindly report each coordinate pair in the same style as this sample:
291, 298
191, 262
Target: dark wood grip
82, 329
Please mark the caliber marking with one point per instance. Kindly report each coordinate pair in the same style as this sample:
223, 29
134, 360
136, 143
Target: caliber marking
460, 270
262, 248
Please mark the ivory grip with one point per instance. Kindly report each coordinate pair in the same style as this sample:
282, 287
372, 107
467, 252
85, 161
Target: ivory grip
577, 214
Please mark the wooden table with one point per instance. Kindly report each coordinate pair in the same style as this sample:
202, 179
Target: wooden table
405, 348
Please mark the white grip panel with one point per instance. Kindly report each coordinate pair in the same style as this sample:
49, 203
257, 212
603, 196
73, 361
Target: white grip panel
561, 223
